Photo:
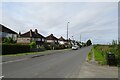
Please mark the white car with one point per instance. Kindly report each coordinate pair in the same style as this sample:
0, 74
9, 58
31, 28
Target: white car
75, 47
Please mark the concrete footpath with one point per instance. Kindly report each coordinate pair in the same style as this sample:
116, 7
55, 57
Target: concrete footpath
94, 70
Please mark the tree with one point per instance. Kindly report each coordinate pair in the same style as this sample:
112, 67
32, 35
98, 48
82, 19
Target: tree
89, 42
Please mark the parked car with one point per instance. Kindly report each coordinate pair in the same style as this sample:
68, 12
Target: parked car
75, 47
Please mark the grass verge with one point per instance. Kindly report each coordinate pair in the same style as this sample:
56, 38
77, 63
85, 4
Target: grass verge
99, 57
90, 55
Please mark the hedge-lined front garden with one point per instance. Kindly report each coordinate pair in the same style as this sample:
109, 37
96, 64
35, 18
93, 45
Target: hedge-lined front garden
14, 48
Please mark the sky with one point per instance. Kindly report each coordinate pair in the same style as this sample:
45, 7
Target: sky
97, 21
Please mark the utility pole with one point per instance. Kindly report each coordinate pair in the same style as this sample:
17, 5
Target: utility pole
80, 37
67, 29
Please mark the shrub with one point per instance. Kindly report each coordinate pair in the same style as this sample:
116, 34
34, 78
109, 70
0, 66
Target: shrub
47, 46
32, 45
8, 40
14, 48
61, 47
50, 46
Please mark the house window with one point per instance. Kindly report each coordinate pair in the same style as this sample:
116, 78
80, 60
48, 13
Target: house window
38, 39
33, 39
55, 40
42, 39
4, 34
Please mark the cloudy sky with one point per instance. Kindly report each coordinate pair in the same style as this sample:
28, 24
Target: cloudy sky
97, 21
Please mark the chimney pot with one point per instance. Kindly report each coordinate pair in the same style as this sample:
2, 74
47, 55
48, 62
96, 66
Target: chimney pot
36, 31
30, 32
51, 34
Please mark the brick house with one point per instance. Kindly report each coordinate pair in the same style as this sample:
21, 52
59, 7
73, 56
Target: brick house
6, 32
51, 39
62, 41
31, 36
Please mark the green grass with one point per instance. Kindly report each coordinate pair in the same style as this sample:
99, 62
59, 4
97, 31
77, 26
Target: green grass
101, 50
90, 55
99, 57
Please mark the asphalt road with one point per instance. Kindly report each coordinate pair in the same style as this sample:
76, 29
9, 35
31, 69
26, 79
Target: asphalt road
62, 64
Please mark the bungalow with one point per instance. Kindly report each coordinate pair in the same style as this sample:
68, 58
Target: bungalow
51, 39
31, 36
6, 32
62, 41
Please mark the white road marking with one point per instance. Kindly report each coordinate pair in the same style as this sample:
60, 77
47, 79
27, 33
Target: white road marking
13, 61
1, 77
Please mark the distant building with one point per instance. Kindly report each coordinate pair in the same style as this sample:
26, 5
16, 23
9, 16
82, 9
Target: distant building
51, 39
6, 32
30, 36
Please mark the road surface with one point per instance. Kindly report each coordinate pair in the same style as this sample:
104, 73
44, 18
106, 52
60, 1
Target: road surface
64, 64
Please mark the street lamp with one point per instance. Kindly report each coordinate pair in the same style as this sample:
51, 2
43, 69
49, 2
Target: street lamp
67, 29
80, 37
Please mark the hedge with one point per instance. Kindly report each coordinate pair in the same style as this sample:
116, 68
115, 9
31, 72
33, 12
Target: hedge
14, 48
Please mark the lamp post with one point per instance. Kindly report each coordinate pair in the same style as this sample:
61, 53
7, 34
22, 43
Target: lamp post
67, 29
67, 33
80, 37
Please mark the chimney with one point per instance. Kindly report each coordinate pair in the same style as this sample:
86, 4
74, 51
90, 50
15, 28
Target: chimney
19, 34
36, 31
51, 34
30, 32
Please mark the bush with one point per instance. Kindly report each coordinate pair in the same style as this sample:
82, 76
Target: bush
50, 46
47, 46
32, 45
61, 47
14, 48
8, 40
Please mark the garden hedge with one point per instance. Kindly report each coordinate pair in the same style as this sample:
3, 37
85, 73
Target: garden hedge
14, 48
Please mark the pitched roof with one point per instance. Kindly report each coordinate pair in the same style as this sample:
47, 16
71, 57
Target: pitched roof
62, 39
32, 34
51, 37
7, 30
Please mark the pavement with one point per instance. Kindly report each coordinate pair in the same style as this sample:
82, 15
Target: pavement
94, 70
